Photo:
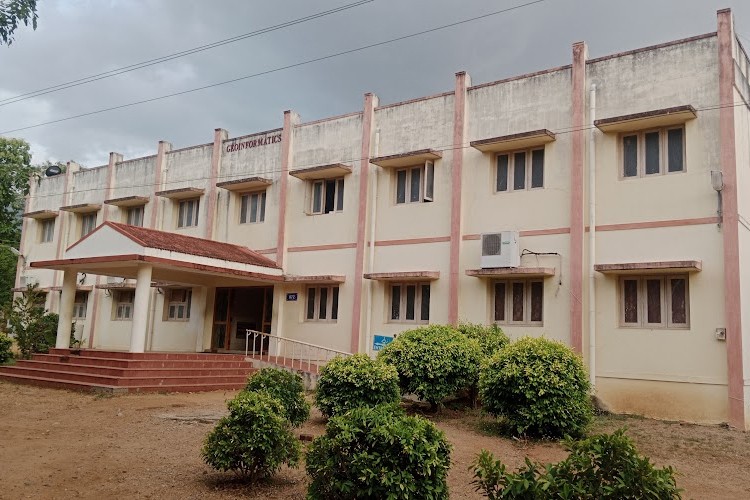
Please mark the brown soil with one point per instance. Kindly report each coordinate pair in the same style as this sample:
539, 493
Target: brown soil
59, 444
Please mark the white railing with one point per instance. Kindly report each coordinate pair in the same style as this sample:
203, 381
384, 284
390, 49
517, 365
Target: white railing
260, 345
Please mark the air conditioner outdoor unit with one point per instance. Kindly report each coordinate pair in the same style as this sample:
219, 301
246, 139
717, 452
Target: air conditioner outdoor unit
115, 280
500, 250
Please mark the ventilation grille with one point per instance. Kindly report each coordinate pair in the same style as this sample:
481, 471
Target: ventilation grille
492, 244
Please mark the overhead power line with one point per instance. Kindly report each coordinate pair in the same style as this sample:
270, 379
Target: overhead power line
281, 68
175, 55
442, 149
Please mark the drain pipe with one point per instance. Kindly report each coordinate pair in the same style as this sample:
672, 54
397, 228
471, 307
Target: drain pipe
371, 257
592, 238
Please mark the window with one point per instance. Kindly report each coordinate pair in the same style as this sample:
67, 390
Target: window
415, 184
124, 304
653, 152
48, 231
519, 302
654, 301
135, 216
178, 304
520, 170
187, 215
253, 207
322, 303
410, 302
79, 305
88, 223
327, 196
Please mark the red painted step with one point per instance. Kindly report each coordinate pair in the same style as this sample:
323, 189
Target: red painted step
115, 371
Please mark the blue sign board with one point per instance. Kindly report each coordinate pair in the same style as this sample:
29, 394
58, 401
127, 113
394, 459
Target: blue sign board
291, 297
380, 341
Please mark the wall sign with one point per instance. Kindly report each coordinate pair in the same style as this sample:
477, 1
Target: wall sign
380, 341
254, 143
291, 297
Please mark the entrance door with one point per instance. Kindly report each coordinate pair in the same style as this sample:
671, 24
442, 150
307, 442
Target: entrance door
238, 310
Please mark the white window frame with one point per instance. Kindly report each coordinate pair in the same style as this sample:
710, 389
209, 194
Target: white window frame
508, 305
253, 200
667, 320
402, 307
426, 183
134, 215
528, 170
338, 196
641, 152
173, 306
88, 223
182, 213
333, 296
80, 304
123, 305
47, 230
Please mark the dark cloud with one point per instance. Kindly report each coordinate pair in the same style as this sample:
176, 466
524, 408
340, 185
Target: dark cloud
77, 38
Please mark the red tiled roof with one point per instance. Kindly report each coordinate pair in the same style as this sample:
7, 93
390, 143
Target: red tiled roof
174, 242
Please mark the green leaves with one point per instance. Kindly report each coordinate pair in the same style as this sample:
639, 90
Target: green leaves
605, 466
433, 362
13, 12
34, 329
378, 453
354, 381
287, 388
5, 345
539, 386
254, 440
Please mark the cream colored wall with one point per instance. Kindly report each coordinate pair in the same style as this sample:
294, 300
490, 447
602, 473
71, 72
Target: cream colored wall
177, 335
188, 167
110, 333
134, 178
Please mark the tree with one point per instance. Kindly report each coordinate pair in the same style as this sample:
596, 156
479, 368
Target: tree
13, 12
25, 318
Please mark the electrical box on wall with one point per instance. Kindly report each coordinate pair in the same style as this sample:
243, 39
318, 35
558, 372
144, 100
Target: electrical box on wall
500, 250
721, 334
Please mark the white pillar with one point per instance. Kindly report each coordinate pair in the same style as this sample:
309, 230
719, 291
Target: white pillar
67, 299
140, 309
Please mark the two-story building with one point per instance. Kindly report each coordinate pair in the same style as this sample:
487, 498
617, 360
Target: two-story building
619, 185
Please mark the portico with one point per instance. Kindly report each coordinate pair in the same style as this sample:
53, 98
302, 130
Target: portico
155, 257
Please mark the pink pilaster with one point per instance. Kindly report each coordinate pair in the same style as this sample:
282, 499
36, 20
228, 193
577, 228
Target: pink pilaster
732, 304
580, 54
114, 159
371, 101
161, 153
287, 135
457, 161
220, 135
21, 262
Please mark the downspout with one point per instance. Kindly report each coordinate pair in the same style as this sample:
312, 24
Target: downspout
592, 238
371, 257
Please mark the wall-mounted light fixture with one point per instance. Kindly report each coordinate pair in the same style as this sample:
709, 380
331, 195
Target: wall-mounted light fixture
717, 182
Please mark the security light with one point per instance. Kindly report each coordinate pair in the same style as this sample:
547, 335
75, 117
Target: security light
717, 180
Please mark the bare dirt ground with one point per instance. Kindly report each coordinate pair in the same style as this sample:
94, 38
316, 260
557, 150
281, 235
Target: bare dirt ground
59, 444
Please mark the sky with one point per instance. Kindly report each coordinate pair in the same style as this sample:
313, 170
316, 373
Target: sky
79, 38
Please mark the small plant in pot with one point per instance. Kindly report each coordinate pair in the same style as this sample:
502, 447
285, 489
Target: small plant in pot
76, 345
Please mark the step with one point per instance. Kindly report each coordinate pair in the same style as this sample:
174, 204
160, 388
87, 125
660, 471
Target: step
82, 386
177, 356
139, 363
244, 370
120, 381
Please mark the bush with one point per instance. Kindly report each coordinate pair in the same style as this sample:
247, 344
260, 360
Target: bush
539, 386
6, 343
600, 467
491, 338
354, 381
378, 453
254, 440
286, 387
433, 362
34, 329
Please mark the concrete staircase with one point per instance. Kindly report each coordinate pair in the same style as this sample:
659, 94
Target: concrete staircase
120, 372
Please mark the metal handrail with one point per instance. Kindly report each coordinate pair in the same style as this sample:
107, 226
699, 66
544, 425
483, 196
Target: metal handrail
298, 348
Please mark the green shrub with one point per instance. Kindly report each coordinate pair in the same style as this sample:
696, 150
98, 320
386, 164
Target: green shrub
34, 329
285, 386
433, 362
6, 343
491, 338
254, 440
600, 467
354, 381
539, 386
378, 453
